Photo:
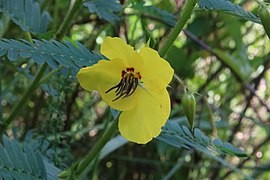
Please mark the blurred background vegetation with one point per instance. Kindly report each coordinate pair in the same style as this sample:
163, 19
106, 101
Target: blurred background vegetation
222, 57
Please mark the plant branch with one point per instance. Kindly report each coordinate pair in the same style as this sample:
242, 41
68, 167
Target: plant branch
266, 140
27, 94
96, 149
210, 78
31, 89
183, 18
64, 26
256, 82
209, 49
252, 91
80, 167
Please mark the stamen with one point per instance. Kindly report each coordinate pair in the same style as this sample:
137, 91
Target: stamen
128, 84
133, 87
117, 86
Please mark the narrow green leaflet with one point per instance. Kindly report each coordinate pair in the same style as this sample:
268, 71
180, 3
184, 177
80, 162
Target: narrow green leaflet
155, 12
228, 7
51, 171
24, 162
26, 14
105, 9
112, 145
180, 136
52, 52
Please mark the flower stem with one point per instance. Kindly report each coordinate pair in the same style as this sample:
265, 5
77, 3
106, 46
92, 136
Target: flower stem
97, 148
17, 108
181, 83
183, 18
78, 169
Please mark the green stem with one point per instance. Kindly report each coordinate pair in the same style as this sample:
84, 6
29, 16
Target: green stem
55, 14
79, 168
1, 74
183, 18
17, 108
31, 89
64, 27
97, 148
181, 83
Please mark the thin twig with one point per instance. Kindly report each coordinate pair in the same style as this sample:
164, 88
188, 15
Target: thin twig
245, 160
210, 50
256, 82
69, 107
251, 90
210, 78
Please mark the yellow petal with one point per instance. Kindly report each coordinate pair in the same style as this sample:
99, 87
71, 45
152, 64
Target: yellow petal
156, 70
153, 84
104, 72
116, 48
144, 122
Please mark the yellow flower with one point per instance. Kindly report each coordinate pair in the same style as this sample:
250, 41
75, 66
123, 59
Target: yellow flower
132, 82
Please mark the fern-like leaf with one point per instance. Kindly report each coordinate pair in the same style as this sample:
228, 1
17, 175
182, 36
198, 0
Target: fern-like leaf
181, 137
105, 9
52, 52
23, 162
26, 14
228, 7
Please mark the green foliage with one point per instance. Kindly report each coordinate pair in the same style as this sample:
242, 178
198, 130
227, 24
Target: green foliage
68, 121
26, 14
24, 162
181, 137
4, 21
152, 11
264, 14
53, 53
227, 7
115, 143
182, 61
239, 64
105, 9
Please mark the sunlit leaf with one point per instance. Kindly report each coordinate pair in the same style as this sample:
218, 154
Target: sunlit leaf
228, 7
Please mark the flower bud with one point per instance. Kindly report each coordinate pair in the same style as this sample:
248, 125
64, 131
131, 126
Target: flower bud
264, 14
189, 105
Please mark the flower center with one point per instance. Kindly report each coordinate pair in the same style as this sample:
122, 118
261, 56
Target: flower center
128, 84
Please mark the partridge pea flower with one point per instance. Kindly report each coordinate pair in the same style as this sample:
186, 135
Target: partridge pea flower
134, 83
